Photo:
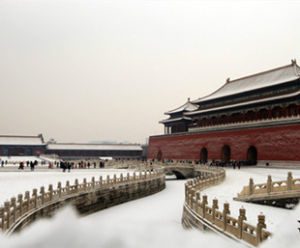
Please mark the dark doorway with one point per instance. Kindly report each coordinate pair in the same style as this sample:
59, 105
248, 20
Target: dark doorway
226, 153
203, 155
252, 155
159, 155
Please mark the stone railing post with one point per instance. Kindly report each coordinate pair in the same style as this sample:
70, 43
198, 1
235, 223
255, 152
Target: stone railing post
226, 212
76, 184
13, 204
203, 205
190, 198
7, 211
289, 182
214, 207
35, 198
20, 202
198, 197
50, 189
100, 181
269, 184
128, 176
151, 173
59, 189
107, 179
27, 199
251, 186
2, 219
42, 192
259, 227
193, 193
115, 178
134, 176
121, 178
186, 187
93, 182
84, 184
242, 217
67, 187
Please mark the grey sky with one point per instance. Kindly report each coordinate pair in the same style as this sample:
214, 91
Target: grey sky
107, 70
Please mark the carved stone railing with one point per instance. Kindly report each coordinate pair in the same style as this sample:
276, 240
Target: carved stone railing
183, 166
130, 164
198, 213
286, 188
87, 197
149, 164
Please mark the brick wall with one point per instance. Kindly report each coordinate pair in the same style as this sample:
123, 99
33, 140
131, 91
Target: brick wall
272, 143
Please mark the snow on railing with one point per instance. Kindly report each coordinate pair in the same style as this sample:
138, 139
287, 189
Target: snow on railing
133, 164
18, 207
270, 187
218, 220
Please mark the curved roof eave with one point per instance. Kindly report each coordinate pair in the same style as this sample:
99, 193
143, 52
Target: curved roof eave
256, 81
188, 106
245, 103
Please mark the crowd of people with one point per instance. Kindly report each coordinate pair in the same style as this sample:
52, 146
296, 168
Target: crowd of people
31, 164
233, 163
68, 165
65, 165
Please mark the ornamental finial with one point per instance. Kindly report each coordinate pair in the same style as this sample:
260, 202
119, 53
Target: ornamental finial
294, 62
228, 80
189, 99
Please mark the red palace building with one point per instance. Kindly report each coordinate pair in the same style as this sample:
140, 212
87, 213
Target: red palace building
252, 119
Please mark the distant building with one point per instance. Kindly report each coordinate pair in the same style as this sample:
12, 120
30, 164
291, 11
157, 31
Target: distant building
254, 118
13, 145
75, 150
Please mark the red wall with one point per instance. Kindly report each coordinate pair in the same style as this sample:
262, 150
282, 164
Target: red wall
272, 143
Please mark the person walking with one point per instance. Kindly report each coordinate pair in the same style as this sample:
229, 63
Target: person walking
31, 165
69, 166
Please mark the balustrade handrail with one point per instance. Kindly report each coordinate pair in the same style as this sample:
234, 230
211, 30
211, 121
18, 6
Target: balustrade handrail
20, 206
243, 122
147, 164
221, 220
290, 185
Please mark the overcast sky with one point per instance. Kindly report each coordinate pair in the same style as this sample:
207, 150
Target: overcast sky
108, 70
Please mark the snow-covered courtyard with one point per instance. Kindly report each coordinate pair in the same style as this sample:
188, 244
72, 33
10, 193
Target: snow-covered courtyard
154, 221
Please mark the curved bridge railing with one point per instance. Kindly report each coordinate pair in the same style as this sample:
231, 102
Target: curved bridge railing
181, 170
285, 190
199, 214
87, 197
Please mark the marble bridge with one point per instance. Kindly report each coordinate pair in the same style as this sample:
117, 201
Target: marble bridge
180, 171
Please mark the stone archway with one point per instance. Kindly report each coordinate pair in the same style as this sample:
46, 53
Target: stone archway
178, 174
203, 155
226, 153
252, 155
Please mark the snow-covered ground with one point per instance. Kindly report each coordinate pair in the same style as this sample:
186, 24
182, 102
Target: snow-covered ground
154, 221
